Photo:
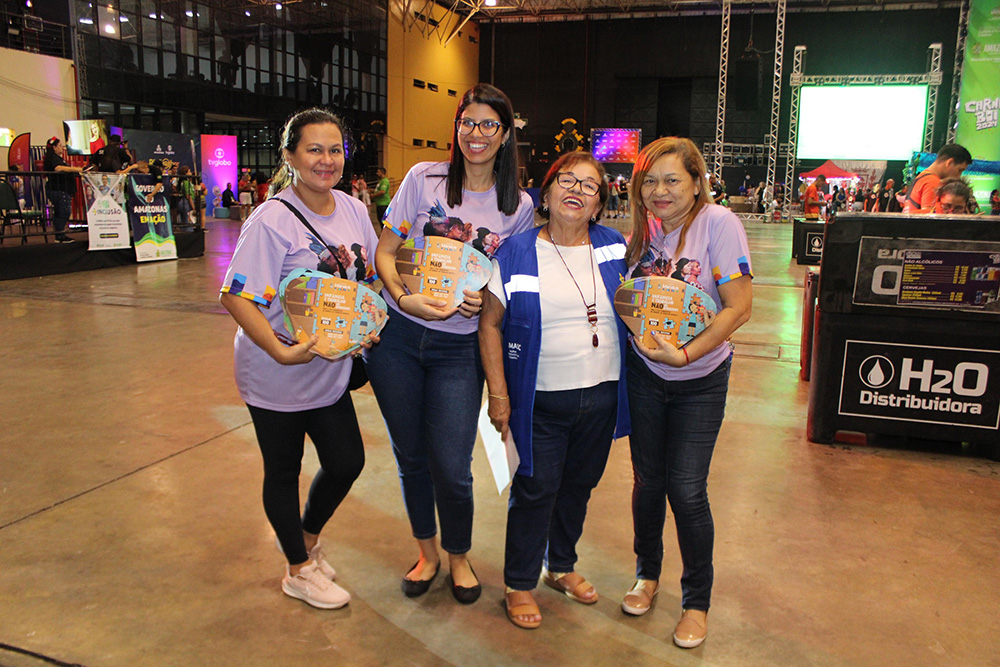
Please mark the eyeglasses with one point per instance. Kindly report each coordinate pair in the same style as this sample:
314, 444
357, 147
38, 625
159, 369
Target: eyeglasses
569, 181
487, 128
948, 207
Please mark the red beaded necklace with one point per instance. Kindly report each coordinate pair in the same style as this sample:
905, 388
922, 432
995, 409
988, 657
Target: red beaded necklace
592, 306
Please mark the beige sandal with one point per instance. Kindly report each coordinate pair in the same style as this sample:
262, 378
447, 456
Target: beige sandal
639, 600
522, 608
573, 592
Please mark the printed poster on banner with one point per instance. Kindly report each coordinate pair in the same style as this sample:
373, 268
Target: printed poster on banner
341, 313
107, 222
979, 101
149, 214
928, 273
219, 166
442, 268
673, 309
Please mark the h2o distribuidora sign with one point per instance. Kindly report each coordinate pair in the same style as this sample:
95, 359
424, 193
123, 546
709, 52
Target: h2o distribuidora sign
918, 383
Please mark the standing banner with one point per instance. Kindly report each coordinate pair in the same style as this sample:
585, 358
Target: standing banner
19, 153
149, 213
979, 102
219, 165
107, 224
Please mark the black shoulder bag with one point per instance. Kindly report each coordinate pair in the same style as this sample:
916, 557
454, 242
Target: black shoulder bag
359, 376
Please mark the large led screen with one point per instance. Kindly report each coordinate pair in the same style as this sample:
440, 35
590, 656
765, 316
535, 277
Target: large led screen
861, 122
615, 145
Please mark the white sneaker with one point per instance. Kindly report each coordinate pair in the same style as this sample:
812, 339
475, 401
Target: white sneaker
315, 555
310, 586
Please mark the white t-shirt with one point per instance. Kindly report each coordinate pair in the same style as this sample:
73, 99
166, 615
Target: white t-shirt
567, 358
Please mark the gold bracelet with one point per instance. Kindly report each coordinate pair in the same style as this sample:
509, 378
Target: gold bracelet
498, 397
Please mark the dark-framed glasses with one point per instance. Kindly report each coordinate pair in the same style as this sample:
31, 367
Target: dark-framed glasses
569, 181
487, 128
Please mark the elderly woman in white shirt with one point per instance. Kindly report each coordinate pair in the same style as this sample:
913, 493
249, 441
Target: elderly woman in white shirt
552, 349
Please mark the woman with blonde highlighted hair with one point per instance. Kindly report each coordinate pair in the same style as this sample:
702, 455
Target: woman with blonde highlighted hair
677, 396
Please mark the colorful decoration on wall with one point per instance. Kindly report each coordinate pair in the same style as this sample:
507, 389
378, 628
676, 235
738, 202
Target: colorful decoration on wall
568, 139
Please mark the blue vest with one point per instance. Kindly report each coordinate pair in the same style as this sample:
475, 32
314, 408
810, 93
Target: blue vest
522, 327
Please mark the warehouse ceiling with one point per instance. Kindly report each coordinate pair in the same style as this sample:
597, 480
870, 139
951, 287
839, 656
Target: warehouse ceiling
522, 11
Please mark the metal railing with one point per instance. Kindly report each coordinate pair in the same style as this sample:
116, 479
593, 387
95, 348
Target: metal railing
25, 32
34, 205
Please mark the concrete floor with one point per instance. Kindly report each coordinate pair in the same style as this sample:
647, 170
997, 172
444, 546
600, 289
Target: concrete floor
131, 530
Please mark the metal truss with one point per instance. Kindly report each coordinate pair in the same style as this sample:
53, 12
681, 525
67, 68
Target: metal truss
956, 77
934, 75
421, 15
795, 81
720, 114
772, 136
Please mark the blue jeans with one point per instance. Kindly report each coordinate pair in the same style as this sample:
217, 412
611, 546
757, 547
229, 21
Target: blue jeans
674, 429
571, 435
429, 387
62, 208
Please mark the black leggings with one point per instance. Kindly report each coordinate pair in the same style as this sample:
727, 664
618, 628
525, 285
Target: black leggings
281, 437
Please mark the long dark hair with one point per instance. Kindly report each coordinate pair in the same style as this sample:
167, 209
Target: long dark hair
505, 166
291, 134
50, 147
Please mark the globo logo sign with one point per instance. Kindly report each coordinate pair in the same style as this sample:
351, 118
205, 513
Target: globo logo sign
220, 159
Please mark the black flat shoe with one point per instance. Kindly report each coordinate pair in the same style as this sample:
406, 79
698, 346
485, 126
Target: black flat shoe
466, 595
414, 589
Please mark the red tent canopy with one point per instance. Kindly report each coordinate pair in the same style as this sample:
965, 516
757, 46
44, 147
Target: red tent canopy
828, 169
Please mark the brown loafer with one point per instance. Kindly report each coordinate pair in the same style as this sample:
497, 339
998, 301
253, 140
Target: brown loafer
691, 629
572, 591
639, 600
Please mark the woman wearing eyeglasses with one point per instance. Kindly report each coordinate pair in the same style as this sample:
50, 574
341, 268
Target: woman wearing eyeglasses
677, 396
552, 350
426, 373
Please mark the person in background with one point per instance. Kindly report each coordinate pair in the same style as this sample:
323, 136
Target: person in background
613, 198
950, 162
813, 199
562, 397
380, 195
954, 196
113, 157
60, 186
228, 196
995, 202
426, 372
263, 185
871, 199
289, 391
677, 396
185, 187
246, 194
886, 197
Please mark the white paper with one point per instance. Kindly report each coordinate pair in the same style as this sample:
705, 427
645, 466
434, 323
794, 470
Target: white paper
501, 454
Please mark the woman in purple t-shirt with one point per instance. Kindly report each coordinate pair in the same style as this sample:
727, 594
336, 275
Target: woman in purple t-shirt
289, 391
426, 372
677, 396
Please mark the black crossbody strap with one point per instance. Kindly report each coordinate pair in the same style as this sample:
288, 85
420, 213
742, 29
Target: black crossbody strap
302, 219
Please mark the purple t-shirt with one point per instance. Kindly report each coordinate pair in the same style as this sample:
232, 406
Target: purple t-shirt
273, 242
715, 251
420, 208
